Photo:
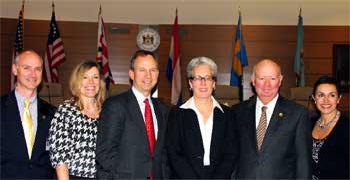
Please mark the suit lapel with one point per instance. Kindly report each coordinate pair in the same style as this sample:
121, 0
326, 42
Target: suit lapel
276, 119
40, 139
159, 116
251, 124
135, 112
194, 130
218, 129
16, 123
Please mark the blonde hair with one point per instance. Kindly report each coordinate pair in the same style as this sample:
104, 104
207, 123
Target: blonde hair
75, 83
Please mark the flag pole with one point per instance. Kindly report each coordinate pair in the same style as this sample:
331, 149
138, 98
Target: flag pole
53, 6
23, 1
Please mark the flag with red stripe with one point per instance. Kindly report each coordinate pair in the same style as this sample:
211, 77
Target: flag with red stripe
102, 51
173, 67
18, 45
54, 55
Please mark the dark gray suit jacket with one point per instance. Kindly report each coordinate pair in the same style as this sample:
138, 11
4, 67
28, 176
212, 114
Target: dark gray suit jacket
286, 149
122, 149
15, 162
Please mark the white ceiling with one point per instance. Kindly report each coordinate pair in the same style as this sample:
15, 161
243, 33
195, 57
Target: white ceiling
254, 12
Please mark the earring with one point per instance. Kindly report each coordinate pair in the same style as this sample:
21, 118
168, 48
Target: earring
190, 89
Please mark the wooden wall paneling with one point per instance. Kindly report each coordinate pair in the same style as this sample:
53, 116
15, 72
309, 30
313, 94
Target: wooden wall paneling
214, 41
316, 65
326, 34
269, 33
318, 50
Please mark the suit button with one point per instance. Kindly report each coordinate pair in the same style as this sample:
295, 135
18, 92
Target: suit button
199, 157
30, 165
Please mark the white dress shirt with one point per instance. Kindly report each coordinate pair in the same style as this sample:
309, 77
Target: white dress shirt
206, 129
270, 107
140, 98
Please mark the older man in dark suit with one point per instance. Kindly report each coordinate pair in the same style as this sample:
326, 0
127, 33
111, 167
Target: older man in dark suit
131, 127
274, 133
25, 122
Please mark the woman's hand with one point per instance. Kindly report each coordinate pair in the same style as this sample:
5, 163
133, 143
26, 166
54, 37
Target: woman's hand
62, 172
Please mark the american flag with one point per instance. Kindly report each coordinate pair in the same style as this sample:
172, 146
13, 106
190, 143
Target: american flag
173, 67
102, 51
54, 55
18, 45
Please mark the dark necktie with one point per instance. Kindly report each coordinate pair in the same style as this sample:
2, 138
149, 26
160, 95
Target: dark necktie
261, 130
149, 126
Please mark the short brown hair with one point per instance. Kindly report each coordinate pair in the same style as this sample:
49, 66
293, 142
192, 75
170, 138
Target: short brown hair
141, 53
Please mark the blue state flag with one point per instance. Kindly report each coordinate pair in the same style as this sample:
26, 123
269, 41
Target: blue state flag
298, 66
239, 59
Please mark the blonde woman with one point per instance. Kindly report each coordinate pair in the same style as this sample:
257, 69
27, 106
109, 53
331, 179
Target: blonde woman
73, 132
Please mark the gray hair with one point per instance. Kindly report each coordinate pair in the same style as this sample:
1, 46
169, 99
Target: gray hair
197, 61
26, 52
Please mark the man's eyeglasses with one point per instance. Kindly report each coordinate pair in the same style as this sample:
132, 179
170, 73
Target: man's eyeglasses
200, 78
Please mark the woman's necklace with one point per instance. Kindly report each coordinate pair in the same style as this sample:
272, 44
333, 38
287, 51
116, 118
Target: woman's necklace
329, 123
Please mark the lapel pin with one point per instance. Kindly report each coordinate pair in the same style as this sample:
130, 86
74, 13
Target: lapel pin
44, 116
280, 114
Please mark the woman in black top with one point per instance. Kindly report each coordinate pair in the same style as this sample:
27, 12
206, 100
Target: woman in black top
330, 151
199, 135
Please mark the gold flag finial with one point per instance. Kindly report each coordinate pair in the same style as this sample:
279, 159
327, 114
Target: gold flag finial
176, 12
300, 11
239, 10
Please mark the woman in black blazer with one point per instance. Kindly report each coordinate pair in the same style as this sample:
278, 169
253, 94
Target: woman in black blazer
330, 135
199, 135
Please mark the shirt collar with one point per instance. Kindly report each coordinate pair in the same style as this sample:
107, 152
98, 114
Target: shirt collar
139, 96
189, 104
270, 105
21, 98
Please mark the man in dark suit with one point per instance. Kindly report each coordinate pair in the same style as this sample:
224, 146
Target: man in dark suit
274, 133
24, 128
131, 127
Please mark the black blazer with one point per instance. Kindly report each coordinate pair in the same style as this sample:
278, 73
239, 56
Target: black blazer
185, 146
15, 162
122, 149
334, 154
286, 149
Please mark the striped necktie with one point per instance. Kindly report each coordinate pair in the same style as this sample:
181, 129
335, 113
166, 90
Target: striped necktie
261, 130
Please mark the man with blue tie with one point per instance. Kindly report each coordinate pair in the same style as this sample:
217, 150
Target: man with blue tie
25, 121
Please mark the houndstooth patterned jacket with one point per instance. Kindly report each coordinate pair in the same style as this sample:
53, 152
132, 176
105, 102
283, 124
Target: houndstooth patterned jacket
72, 140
